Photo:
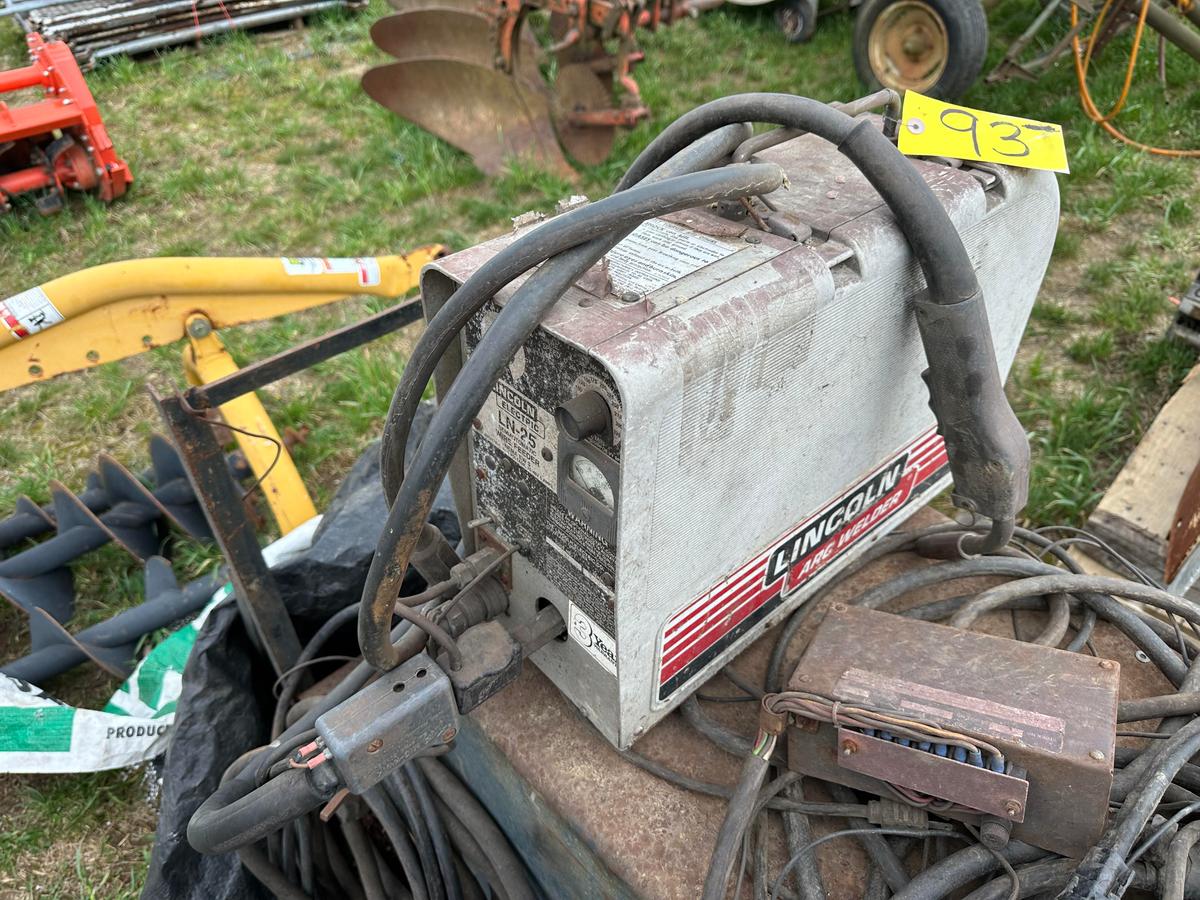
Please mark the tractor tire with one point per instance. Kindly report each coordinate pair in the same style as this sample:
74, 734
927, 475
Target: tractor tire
797, 19
935, 47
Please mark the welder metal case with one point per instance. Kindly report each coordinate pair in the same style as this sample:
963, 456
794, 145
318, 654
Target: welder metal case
766, 422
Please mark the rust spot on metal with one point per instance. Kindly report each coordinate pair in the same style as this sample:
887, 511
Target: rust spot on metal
1185, 532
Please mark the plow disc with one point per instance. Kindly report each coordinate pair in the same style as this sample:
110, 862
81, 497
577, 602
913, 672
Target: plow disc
471, 72
445, 82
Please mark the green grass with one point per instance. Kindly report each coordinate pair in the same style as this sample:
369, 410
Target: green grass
265, 145
58, 837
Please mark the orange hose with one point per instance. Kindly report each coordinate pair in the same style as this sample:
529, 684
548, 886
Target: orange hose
1083, 62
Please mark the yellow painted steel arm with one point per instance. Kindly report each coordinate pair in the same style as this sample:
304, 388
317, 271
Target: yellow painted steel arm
205, 359
117, 310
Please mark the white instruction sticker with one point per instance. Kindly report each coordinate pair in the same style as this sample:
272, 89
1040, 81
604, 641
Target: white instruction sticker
365, 267
28, 313
659, 252
592, 638
523, 430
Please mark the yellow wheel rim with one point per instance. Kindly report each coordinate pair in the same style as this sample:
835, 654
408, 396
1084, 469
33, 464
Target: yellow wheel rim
908, 46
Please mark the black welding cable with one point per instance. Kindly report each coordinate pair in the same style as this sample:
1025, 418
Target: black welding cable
269, 875
1083, 633
346, 881
1048, 876
848, 832
729, 741
1118, 614
393, 884
959, 869
1104, 864
738, 815
1035, 878
480, 876
360, 852
1074, 583
1172, 880
509, 331
509, 869
1186, 703
936, 610
733, 743
279, 750
797, 831
437, 833
742, 683
325, 881
758, 860
472, 886
385, 812
1056, 549
237, 813
1187, 777
876, 888
429, 626
877, 848
401, 791
287, 852
292, 681
708, 788
443, 329
1126, 780
304, 859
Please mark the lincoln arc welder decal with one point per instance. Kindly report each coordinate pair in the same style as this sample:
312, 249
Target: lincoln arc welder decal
706, 626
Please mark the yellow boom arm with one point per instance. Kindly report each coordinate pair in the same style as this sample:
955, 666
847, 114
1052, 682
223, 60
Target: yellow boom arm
117, 310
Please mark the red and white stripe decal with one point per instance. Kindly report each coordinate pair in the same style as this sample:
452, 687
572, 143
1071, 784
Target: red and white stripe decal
15, 328
706, 619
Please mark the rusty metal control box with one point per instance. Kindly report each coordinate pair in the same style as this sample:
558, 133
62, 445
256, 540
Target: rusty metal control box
1052, 713
720, 415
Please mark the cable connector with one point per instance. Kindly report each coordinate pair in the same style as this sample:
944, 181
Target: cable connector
770, 721
894, 814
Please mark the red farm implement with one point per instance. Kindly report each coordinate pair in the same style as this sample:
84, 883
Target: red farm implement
58, 143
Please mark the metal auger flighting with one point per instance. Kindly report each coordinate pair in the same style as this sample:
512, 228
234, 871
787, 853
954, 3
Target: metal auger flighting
116, 507
30, 520
112, 645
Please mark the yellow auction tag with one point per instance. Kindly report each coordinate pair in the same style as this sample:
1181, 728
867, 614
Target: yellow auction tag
933, 128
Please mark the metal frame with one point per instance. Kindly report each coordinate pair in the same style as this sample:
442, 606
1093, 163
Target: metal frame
258, 596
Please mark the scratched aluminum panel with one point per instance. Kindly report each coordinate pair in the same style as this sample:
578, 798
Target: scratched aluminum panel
1051, 711
754, 391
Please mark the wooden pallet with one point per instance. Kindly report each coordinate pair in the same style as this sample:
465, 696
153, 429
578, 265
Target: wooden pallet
1136, 513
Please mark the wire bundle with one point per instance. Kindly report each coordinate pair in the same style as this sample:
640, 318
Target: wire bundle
1155, 790
871, 719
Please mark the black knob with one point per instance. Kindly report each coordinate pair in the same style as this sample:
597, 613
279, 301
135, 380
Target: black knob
584, 415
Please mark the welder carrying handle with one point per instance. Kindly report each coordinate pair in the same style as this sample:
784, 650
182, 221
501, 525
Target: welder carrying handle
988, 450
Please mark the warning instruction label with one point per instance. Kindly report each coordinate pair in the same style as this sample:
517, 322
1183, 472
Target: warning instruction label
366, 268
28, 313
658, 253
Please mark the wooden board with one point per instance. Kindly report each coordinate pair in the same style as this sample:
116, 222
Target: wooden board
1135, 515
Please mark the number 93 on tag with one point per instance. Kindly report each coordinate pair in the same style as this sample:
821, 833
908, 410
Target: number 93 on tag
934, 128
